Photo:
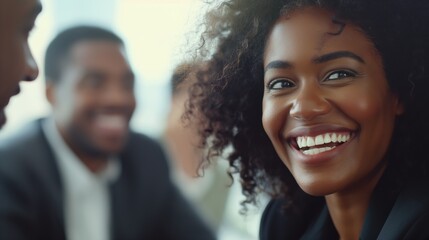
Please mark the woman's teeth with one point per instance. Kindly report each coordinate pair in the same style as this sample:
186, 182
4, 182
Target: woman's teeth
314, 151
312, 142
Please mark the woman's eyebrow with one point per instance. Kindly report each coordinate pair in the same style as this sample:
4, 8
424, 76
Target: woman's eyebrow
277, 64
320, 59
336, 55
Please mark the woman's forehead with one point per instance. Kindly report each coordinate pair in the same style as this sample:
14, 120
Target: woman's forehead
313, 31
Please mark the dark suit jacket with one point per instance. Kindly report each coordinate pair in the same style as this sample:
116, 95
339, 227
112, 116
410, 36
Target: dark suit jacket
145, 204
393, 213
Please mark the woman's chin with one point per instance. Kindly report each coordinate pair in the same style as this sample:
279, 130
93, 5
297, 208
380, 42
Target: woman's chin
318, 188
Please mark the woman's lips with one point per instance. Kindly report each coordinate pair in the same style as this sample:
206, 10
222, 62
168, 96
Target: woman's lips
314, 145
311, 145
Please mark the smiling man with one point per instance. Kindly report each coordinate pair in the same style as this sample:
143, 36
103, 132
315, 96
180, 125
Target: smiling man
17, 19
83, 174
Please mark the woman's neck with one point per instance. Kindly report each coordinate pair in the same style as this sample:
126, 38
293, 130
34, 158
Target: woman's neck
348, 208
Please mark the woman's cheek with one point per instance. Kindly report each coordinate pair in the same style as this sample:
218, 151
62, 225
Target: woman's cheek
360, 104
274, 117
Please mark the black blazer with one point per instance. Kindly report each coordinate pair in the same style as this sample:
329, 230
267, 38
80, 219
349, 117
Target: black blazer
144, 202
393, 213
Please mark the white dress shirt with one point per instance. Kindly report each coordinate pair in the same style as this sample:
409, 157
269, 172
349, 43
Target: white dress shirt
86, 194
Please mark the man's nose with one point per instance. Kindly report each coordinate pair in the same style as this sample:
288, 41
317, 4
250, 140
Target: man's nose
118, 95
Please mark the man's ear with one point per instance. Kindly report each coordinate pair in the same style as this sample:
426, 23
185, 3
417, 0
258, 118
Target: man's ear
50, 93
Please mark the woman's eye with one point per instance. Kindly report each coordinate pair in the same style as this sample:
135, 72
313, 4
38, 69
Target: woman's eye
280, 84
340, 74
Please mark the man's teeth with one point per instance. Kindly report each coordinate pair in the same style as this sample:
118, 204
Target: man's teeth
112, 121
307, 141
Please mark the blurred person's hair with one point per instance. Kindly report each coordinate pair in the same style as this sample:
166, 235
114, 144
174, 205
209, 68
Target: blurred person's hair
180, 74
58, 50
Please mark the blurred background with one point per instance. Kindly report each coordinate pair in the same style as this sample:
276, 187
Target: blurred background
155, 34
158, 35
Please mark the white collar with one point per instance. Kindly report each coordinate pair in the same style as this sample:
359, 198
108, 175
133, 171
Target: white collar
76, 176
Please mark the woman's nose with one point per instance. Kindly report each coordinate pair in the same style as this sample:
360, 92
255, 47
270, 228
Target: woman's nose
309, 104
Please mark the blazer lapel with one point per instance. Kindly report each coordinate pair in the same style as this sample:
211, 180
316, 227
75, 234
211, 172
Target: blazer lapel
408, 207
49, 172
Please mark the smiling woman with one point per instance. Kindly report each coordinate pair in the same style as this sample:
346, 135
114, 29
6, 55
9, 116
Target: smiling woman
336, 89
323, 102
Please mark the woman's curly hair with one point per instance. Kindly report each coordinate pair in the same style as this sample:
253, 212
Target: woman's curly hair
228, 94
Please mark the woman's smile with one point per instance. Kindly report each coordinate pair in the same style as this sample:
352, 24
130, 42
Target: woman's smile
322, 142
309, 145
322, 106
315, 145
327, 106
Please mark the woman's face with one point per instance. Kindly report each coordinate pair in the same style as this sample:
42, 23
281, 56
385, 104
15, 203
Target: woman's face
327, 107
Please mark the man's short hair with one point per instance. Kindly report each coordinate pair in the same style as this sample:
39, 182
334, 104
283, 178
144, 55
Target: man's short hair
60, 46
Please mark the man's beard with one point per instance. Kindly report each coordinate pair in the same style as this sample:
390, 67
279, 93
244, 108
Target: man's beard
85, 145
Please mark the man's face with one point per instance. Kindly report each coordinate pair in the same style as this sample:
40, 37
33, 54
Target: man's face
94, 99
16, 62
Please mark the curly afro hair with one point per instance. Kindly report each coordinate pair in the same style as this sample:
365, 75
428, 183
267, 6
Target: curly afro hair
228, 94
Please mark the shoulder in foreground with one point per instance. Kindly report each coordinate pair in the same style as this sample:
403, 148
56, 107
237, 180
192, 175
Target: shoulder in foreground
409, 216
23, 139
